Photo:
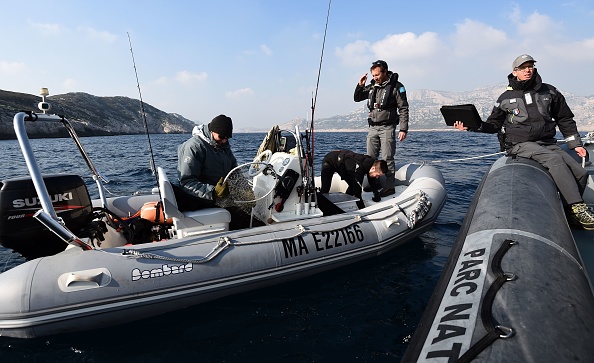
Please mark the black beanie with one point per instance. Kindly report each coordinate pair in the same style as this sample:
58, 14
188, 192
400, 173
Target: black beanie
222, 125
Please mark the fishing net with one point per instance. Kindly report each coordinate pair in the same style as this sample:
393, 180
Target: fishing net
243, 194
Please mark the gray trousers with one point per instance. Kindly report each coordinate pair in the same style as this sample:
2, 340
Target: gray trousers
383, 138
568, 174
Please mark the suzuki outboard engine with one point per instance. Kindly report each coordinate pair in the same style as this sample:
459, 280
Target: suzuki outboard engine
24, 234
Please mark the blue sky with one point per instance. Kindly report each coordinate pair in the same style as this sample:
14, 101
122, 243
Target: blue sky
257, 61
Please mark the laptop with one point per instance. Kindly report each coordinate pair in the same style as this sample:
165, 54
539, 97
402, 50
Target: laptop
465, 113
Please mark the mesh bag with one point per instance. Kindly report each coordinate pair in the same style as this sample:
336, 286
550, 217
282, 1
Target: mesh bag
242, 193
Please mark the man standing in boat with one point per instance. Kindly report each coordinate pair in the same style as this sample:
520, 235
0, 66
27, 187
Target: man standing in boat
528, 113
352, 167
388, 107
203, 162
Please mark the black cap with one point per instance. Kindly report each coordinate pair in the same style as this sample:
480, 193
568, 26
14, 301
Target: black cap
222, 125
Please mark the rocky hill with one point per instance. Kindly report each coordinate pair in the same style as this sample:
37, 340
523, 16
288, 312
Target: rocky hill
424, 110
98, 116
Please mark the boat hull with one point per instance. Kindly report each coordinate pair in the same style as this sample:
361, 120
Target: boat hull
80, 290
514, 265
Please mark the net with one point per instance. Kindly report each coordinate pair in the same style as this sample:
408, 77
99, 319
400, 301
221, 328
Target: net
242, 193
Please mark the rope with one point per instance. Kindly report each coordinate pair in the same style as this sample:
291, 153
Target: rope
225, 242
462, 159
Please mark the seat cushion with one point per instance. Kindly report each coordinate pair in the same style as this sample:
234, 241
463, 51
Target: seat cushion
209, 215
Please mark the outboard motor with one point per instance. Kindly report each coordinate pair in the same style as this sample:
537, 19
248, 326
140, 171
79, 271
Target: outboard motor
24, 234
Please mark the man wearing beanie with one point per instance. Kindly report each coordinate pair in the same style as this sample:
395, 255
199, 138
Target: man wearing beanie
203, 162
528, 113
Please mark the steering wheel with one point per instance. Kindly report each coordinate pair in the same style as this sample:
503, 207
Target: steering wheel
259, 164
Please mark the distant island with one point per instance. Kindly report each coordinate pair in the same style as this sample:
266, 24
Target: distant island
102, 116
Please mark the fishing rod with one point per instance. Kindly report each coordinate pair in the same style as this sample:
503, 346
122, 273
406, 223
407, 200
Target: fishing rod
153, 169
309, 155
315, 98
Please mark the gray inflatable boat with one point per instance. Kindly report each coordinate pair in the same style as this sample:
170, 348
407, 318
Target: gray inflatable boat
99, 282
516, 287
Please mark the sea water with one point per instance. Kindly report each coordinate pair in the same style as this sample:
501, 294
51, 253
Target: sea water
364, 312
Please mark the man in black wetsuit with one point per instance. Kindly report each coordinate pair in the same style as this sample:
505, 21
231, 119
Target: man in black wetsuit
352, 167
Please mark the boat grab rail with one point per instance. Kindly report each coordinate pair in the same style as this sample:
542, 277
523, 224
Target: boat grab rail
493, 330
34, 170
226, 241
49, 218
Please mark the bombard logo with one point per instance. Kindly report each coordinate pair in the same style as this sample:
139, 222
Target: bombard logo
164, 270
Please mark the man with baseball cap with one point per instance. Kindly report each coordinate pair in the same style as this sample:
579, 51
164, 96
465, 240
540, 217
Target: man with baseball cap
528, 113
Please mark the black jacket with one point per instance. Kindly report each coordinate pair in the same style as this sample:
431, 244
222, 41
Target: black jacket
387, 102
530, 111
351, 167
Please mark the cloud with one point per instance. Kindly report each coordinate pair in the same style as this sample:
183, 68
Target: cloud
161, 81
406, 46
264, 48
547, 41
537, 25
354, 35
393, 47
48, 28
11, 67
101, 35
240, 93
475, 38
189, 77
571, 53
355, 53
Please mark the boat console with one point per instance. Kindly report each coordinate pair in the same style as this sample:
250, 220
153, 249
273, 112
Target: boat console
288, 200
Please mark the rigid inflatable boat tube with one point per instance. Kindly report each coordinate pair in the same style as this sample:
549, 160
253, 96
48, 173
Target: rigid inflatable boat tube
549, 306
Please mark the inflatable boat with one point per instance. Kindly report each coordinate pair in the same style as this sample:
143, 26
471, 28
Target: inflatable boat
103, 277
517, 285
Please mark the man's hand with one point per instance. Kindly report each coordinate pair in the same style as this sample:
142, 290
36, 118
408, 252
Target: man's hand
460, 126
221, 190
362, 80
580, 151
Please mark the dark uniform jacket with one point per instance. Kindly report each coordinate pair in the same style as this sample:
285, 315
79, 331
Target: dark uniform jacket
200, 164
530, 111
351, 167
387, 102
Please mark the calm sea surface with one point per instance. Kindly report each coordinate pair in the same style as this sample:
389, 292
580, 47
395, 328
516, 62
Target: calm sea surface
364, 312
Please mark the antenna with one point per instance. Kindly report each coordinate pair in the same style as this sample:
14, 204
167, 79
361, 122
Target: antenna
153, 169
44, 106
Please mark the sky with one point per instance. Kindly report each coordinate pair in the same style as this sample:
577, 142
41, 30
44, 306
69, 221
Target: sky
259, 61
